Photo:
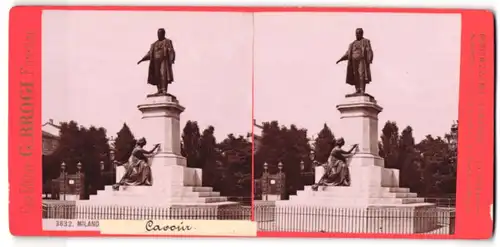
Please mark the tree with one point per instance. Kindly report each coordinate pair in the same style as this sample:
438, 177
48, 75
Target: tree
191, 144
289, 146
124, 143
271, 148
226, 166
94, 149
51, 167
236, 166
448, 184
296, 153
323, 144
410, 174
438, 159
435, 164
86, 146
69, 148
208, 155
388, 148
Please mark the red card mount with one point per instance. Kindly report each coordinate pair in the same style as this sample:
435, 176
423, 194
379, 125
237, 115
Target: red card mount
475, 169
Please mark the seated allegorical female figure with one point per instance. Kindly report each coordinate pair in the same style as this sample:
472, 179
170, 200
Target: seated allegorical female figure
336, 169
137, 168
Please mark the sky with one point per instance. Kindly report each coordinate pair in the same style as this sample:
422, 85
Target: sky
90, 72
90, 75
415, 70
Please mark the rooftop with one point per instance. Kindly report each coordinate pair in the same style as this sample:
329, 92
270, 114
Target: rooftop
50, 129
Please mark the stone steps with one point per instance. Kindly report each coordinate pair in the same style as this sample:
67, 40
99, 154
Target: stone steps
351, 196
342, 194
161, 194
149, 189
353, 201
396, 200
350, 189
148, 195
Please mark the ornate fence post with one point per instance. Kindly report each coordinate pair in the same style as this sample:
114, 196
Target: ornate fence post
452, 222
80, 180
281, 186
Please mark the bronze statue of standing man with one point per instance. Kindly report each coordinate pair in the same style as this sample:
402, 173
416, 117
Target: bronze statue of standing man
359, 56
161, 56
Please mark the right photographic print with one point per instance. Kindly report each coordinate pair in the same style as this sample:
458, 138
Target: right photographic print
356, 122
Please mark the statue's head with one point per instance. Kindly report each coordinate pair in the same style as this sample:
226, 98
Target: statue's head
340, 142
161, 33
141, 142
359, 33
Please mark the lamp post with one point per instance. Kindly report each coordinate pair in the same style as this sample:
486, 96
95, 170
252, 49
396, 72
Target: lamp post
454, 133
314, 162
454, 143
112, 156
113, 163
79, 167
101, 174
63, 171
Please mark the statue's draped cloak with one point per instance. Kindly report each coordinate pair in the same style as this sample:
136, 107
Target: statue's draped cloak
336, 170
162, 56
138, 169
359, 68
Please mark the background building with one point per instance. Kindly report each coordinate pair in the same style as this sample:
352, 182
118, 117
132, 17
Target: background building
50, 137
257, 135
50, 142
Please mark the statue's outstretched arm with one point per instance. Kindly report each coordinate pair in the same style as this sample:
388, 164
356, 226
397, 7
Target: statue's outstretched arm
145, 58
157, 146
350, 150
344, 57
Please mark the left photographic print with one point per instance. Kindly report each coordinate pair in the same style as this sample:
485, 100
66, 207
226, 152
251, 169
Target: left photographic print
146, 115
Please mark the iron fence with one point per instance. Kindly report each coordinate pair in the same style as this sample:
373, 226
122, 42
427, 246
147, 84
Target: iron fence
269, 217
116, 212
409, 220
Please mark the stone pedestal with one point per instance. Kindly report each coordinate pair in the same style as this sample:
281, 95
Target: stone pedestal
359, 125
161, 124
374, 188
173, 184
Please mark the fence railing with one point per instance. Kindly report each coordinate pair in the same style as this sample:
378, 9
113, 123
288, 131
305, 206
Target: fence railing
355, 220
442, 201
115, 212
